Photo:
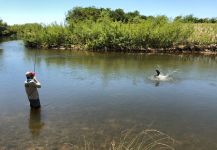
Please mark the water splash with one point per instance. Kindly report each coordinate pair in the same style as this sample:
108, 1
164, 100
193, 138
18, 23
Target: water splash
164, 77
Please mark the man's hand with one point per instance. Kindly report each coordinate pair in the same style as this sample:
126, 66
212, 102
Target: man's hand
38, 84
35, 79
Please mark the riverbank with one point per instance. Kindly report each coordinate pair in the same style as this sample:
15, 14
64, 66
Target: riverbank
105, 32
202, 49
144, 37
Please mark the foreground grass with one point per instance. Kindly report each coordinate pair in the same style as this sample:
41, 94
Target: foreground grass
148, 139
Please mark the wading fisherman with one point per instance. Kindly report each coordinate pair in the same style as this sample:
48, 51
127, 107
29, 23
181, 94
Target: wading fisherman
31, 85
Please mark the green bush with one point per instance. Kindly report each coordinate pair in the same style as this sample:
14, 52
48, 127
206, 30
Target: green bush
100, 29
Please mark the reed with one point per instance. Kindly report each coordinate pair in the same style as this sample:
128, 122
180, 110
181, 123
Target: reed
148, 139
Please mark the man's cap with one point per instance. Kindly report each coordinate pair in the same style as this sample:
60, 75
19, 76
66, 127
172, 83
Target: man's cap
30, 74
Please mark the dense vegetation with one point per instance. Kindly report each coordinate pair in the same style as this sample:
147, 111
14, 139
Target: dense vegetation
100, 28
192, 19
90, 13
4, 29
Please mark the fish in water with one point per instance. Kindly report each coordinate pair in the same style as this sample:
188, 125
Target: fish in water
160, 76
158, 73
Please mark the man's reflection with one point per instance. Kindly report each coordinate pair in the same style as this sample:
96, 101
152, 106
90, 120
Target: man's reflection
35, 122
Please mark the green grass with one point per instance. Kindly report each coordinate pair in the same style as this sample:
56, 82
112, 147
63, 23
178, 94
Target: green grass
105, 34
204, 34
94, 28
148, 139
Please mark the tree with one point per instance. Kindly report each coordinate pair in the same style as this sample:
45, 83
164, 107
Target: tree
3, 29
80, 14
118, 15
192, 19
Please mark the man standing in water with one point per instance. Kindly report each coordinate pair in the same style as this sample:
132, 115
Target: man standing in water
31, 85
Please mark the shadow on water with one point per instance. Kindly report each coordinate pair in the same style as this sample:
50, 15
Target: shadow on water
35, 122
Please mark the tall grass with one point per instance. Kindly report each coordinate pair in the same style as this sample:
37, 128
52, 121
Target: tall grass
107, 34
116, 35
148, 139
204, 33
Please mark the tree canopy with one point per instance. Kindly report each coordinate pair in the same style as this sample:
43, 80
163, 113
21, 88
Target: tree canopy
192, 19
3, 29
91, 13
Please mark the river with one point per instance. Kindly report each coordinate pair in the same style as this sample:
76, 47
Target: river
89, 99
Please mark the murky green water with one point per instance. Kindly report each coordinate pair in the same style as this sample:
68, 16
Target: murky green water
95, 96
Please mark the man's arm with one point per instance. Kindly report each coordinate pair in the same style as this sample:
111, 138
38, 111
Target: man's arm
37, 83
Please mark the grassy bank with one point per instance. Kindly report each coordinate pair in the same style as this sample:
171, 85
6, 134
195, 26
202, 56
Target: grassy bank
108, 35
103, 29
204, 34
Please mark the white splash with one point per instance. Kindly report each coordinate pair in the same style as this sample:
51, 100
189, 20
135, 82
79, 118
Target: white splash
162, 77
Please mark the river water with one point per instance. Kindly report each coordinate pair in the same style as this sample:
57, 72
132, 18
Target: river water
89, 99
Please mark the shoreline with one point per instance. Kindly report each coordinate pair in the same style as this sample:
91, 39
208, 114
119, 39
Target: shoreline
181, 49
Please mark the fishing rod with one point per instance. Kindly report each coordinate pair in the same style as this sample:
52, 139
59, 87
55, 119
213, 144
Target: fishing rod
35, 60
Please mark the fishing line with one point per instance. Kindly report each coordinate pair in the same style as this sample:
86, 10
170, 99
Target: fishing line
35, 59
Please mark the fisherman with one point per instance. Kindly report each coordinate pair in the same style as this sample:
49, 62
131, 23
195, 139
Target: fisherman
31, 85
